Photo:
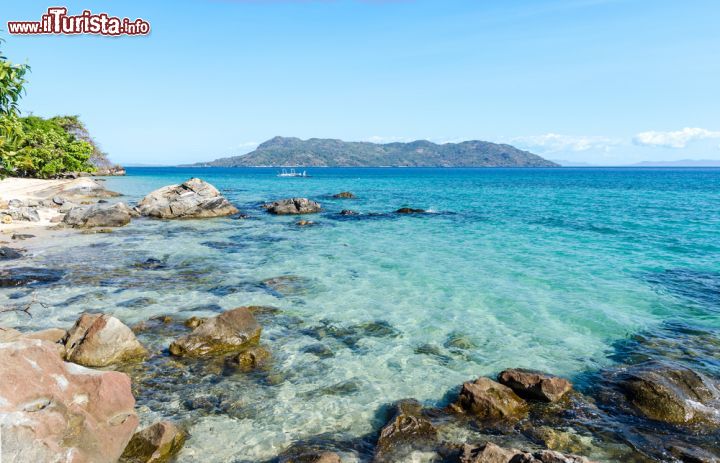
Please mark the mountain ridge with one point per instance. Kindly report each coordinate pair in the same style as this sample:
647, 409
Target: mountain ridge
329, 152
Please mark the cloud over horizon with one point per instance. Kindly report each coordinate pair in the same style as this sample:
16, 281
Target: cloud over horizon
674, 139
556, 143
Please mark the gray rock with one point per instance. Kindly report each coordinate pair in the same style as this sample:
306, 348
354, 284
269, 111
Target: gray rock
15, 203
7, 253
491, 453
58, 200
99, 215
292, 206
192, 199
29, 214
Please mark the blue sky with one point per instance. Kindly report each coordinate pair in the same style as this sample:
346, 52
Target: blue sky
603, 81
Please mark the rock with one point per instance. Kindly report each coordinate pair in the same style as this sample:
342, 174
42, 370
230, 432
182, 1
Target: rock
344, 195
304, 223
320, 350
456, 340
157, 443
193, 322
28, 214
29, 276
293, 206
98, 340
9, 253
348, 212
54, 411
67, 207
310, 456
488, 400
672, 393
7, 219
22, 236
230, 331
487, 453
250, 359
99, 215
409, 210
58, 200
406, 431
491, 453
15, 203
534, 385
193, 199
691, 454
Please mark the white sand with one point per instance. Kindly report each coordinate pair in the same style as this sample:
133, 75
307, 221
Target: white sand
29, 188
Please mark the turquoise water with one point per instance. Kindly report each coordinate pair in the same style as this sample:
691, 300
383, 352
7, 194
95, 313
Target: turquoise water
543, 268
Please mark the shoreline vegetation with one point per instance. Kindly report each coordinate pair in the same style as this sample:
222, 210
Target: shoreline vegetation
524, 415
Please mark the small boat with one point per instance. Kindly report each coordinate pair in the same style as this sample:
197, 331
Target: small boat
292, 173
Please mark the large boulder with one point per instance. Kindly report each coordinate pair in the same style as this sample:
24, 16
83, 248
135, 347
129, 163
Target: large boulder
491, 453
231, 331
157, 443
488, 400
53, 411
192, 199
534, 385
293, 206
98, 340
99, 215
672, 393
407, 431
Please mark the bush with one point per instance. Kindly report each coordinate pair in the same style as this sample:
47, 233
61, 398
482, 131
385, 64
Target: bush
43, 148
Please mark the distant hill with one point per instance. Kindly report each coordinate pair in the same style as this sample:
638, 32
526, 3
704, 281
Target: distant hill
317, 152
565, 163
680, 163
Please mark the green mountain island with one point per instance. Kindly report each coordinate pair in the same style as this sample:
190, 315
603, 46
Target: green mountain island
318, 152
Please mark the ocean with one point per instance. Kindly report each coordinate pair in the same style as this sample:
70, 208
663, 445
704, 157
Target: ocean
560, 270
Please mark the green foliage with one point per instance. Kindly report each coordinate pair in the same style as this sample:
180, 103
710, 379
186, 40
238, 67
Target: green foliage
12, 85
45, 149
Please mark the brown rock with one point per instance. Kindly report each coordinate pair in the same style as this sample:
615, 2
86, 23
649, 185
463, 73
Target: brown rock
312, 456
670, 392
487, 453
98, 340
410, 210
344, 195
157, 443
193, 322
489, 400
230, 331
534, 385
57, 411
406, 431
251, 358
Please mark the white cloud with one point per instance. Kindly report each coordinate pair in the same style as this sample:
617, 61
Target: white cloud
555, 142
675, 139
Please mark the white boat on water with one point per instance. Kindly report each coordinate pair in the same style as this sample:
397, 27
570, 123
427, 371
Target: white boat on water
292, 173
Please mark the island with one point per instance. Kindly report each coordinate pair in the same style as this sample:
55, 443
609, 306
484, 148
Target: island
319, 152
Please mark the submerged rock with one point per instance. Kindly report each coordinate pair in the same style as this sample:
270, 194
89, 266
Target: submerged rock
304, 223
534, 385
230, 331
491, 453
348, 212
309, 456
22, 236
488, 400
29, 276
192, 199
344, 195
7, 253
250, 359
410, 210
99, 215
293, 206
407, 431
57, 411
98, 340
672, 393
157, 443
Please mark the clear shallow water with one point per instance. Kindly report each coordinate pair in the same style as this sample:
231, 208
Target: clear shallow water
548, 269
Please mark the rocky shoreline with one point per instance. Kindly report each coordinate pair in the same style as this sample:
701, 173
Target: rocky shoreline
81, 406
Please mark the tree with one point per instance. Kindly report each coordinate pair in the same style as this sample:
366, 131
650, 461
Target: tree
12, 87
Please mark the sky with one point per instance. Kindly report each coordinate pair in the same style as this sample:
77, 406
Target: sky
607, 82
